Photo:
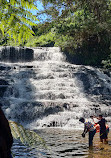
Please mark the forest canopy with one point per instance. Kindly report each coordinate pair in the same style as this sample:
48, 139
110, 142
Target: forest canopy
82, 28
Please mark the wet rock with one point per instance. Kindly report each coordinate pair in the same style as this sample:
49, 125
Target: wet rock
50, 76
61, 96
85, 79
2, 68
3, 86
107, 73
50, 95
66, 106
29, 67
96, 105
98, 90
52, 110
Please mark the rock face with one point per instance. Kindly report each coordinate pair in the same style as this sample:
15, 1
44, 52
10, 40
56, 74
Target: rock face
49, 91
3, 87
16, 54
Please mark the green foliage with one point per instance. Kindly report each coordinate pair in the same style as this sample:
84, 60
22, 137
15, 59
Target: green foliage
46, 40
107, 63
26, 136
16, 19
43, 28
83, 28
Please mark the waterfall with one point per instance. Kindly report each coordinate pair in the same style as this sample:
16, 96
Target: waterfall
16, 54
50, 92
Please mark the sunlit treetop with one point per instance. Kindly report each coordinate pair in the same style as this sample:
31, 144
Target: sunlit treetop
16, 19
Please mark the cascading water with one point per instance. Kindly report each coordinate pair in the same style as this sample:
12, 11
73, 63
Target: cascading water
50, 92
15, 54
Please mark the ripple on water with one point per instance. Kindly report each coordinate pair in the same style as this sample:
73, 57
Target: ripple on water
64, 144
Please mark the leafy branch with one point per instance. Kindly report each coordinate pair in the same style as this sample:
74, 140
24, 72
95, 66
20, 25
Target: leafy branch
16, 20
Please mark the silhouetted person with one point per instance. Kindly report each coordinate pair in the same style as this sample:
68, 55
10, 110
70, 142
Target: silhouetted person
103, 129
6, 139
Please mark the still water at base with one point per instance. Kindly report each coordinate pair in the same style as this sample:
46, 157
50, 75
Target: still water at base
63, 144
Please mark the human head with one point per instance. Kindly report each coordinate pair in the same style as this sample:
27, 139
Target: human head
82, 120
100, 116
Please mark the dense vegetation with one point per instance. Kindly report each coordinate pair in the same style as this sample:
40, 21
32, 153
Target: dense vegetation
16, 20
81, 28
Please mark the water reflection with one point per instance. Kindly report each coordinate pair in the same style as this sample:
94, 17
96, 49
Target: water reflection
64, 143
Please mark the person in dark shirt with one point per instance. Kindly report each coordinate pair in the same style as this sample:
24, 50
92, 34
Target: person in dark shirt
103, 131
6, 139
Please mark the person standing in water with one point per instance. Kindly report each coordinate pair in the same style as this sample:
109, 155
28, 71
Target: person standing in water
103, 130
88, 127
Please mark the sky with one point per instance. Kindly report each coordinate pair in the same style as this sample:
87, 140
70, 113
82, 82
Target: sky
39, 7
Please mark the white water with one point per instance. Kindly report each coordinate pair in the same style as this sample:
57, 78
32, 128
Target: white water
50, 92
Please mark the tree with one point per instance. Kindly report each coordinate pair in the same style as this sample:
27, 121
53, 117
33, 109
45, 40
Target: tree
16, 19
82, 27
